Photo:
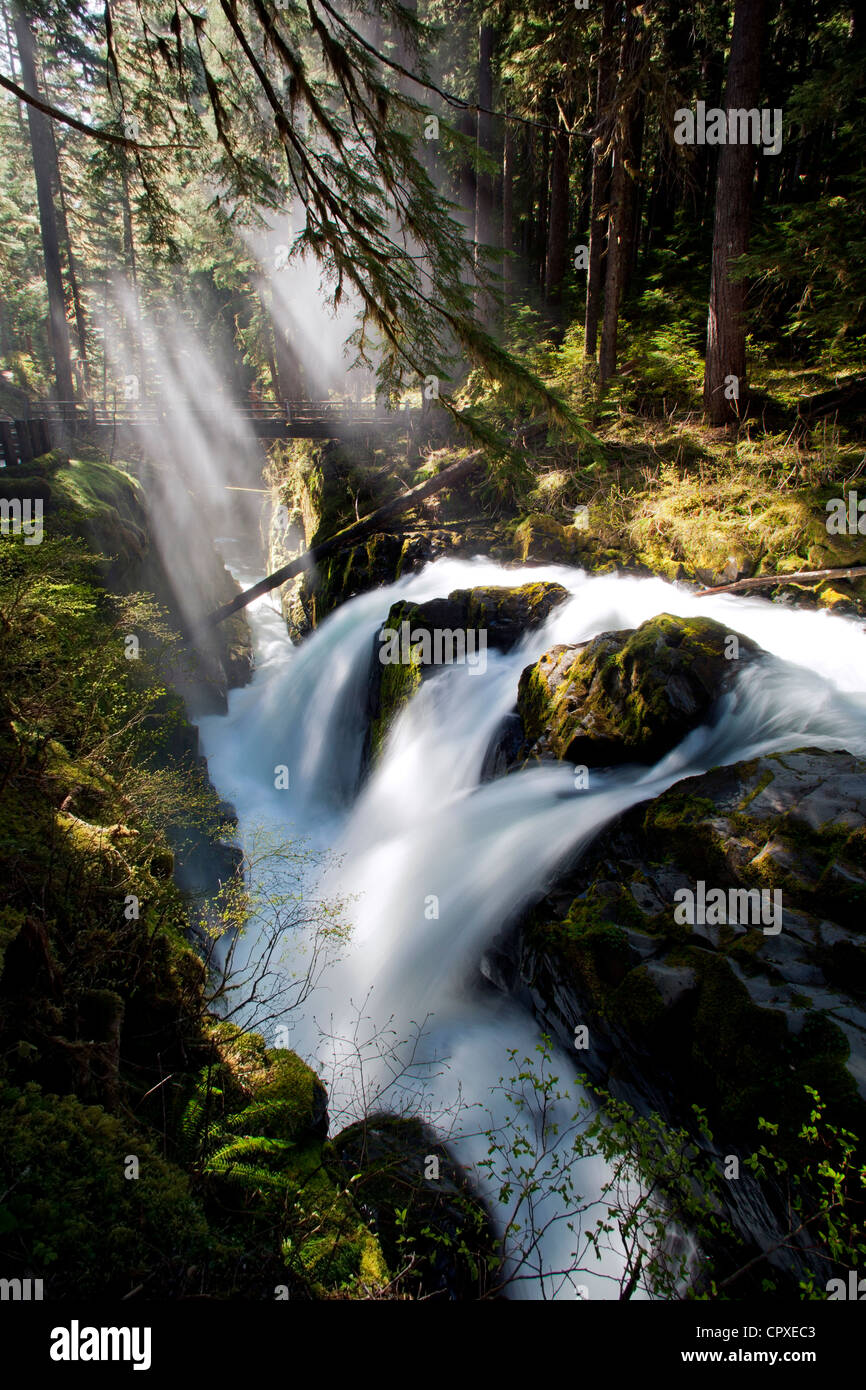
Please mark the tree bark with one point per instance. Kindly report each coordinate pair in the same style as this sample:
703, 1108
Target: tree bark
726, 332
620, 232
10, 47
600, 180
507, 213
557, 233
541, 223
131, 259
41, 146
72, 271
763, 581
484, 180
466, 125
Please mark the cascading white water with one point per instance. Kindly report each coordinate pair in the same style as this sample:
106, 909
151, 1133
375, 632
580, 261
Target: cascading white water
437, 863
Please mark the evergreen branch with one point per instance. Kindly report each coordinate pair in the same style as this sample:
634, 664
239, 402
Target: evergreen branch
107, 136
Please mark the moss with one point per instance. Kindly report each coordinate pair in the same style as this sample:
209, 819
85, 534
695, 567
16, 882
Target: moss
11, 922
636, 1004
435, 1226
90, 789
613, 701
737, 1048
526, 606
398, 683
590, 951
75, 1218
291, 1081
542, 537
763, 781
330, 1242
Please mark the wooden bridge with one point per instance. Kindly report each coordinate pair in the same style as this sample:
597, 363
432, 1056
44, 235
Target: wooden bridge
23, 440
50, 421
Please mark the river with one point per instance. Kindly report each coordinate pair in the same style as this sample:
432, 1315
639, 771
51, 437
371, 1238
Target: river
435, 863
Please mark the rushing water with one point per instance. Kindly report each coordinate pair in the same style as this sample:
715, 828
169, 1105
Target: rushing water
436, 863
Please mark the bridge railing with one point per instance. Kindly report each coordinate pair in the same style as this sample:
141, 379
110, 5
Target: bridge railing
23, 440
150, 413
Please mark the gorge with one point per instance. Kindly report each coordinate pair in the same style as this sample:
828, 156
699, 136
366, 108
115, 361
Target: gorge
419, 827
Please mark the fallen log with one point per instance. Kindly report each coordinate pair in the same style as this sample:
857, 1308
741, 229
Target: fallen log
851, 392
349, 535
802, 577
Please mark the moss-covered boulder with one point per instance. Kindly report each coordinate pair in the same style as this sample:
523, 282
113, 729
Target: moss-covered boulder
541, 539
725, 1003
418, 639
275, 1077
628, 696
419, 1203
72, 1215
731, 1011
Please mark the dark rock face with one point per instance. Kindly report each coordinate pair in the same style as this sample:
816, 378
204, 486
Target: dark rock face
726, 1011
503, 614
495, 617
628, 696
393, 1163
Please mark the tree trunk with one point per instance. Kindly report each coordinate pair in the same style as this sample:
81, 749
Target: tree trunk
10, 48
726, 333
617, 217
600, 180
41, 146
507, 212
484, 181
466, 124
620, 232
557, 234
72, 271
541, 224
129, 255
635, 190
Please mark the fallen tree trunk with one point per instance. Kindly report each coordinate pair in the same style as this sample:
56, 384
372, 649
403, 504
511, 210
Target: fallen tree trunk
803, 577
848, 393
349, 535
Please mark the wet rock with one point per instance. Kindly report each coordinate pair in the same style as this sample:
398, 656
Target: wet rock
672, 982
542, 539
724, 1015
399, 1165
627, 696
416, 640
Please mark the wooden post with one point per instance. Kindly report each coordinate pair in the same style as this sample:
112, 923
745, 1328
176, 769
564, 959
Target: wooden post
25, 446
41, 436
7, 444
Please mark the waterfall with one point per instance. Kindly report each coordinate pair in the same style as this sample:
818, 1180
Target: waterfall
435, 863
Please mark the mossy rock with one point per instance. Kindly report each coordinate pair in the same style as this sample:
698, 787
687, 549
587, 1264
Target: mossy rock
507, 614
419, 1203
291, 1081
440, 631
630, 695
591, 953
71, 1214
541, 538
637, 1005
